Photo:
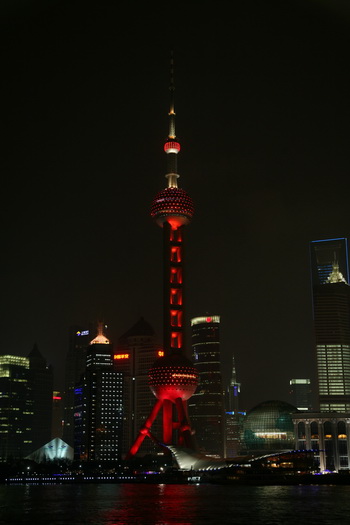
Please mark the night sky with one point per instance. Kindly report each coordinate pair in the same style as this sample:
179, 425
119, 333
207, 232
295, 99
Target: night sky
262, 115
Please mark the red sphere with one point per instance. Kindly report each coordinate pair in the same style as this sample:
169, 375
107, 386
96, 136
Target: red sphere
172, 377
172, 205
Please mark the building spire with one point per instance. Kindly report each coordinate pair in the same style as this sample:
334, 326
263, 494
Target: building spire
100, 339
172, 147
335, 276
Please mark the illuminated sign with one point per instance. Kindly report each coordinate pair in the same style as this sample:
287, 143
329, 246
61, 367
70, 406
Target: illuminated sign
185, 376
121, 356
56, 397
84, 332
160, 353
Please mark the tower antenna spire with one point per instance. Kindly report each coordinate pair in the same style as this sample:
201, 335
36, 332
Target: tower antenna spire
172, 147
172, 134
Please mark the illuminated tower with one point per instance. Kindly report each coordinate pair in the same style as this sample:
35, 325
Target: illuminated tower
172, 378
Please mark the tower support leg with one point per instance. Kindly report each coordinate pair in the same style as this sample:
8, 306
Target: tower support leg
145, 430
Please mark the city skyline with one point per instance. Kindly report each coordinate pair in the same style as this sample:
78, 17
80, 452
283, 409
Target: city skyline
262, 107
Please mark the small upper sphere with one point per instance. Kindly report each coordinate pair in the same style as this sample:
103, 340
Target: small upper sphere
172, 205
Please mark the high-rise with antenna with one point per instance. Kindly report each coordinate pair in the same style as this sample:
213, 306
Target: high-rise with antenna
173, 379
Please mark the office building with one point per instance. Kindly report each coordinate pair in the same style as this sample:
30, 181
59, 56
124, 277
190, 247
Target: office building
300, 394
16, 408
206, 407
331, 313
79, 338
99, 405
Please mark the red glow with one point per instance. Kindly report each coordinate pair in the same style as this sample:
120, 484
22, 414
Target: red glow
56, 397
172, 146
121, 356
176, 340
208, 319
176, 275
175, 297
176, 318
175, 254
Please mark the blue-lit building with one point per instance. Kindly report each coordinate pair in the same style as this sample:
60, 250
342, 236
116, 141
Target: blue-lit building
98, 410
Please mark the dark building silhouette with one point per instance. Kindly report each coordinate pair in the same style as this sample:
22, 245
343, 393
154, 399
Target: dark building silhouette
40, 383
331, 312
99, 405
206, 407
301, 393
57, 415
16, 408
135, 354
79, 338
234, 417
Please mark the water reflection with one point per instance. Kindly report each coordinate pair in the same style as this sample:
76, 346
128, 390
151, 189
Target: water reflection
154, 505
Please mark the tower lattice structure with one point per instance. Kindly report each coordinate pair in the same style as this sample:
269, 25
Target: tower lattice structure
173, 379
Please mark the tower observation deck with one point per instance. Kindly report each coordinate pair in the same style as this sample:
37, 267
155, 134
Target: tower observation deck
173, 378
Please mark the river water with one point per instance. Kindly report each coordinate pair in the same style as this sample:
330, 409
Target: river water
109, 504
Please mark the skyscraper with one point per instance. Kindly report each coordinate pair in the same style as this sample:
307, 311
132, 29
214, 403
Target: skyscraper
16, 408
98, 405
331, 312
206, 406
79, 338
135, 354
172, 378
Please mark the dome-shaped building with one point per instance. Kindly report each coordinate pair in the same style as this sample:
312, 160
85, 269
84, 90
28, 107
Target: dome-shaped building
268, 428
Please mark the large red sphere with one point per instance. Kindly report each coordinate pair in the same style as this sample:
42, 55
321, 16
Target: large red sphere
172, 377
172, 205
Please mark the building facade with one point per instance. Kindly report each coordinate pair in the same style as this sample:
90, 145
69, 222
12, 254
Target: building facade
206, 407
79, 338
99, 405
328, 435
16, 408
331, 313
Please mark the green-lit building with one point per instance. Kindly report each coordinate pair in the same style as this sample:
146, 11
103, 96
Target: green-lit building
16, 408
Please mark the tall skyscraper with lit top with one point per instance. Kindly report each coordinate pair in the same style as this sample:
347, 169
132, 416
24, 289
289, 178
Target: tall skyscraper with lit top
172, 378
207, 404
331, 311
99, 405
